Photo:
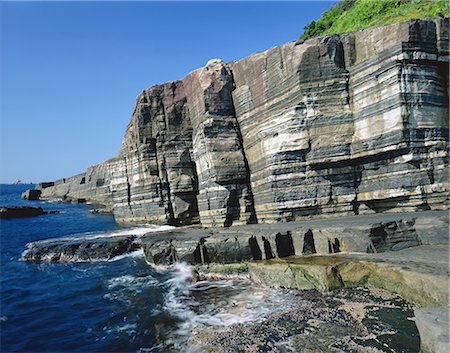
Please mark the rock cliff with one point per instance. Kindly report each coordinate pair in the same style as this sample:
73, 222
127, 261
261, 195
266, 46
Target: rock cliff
336, 125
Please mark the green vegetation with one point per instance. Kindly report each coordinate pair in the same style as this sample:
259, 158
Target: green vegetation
353, 15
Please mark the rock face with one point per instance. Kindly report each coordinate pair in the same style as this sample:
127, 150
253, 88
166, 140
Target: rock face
362, 234
337, 125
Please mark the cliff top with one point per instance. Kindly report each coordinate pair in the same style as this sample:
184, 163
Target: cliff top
353, 15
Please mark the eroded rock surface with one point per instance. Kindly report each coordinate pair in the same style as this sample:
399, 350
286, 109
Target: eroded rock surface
337, 125
360, 234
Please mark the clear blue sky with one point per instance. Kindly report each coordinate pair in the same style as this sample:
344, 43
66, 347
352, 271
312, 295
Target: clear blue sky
70, 71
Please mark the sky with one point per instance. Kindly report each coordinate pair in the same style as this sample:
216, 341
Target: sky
70, 71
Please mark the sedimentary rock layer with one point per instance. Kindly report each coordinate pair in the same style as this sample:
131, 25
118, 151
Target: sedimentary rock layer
354, 234
336, 125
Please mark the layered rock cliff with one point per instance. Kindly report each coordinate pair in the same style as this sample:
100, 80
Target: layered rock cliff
336, 125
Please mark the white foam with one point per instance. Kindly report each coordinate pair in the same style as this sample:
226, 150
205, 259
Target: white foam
134, 254
132, 282
138, 231
178, 301
129, 329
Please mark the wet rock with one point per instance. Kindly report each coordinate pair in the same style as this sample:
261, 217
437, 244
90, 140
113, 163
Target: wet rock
361, 234
22, 211
73, 250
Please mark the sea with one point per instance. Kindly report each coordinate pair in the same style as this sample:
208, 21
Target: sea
120, 305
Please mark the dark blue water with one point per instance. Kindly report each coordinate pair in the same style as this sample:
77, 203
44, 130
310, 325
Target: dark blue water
79, 307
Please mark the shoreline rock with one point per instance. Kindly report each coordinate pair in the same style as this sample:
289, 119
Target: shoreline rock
7, 212
307, 255
361, 234
31, 194
418, 273
80, 250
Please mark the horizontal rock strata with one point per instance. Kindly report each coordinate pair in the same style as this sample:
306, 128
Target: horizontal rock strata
337, 125
199, 245
359, 234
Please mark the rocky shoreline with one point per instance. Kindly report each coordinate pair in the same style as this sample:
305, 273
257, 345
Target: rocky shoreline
404, 254
346, 320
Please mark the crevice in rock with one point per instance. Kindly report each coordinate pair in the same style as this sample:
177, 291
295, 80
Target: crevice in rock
309, 246
430, 171
165, 183
194, 212
201, 253
336, 245
250, 202
379, 238
267, 249
285, 245
128, 187
233, 208
357, 175
254, 248
330, 195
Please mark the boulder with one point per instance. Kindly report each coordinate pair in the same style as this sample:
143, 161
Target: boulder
71, 250
20, 211
31, 194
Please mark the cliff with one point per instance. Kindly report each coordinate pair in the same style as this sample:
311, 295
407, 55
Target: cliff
336, 125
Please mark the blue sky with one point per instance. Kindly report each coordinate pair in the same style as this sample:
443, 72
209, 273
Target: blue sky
70, 71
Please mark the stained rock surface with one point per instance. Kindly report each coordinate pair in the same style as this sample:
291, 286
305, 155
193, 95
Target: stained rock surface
337, 125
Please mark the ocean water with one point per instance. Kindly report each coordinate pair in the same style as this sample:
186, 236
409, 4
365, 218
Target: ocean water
121, 305
125, 305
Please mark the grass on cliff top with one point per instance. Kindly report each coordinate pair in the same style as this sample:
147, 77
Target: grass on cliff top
353, 15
